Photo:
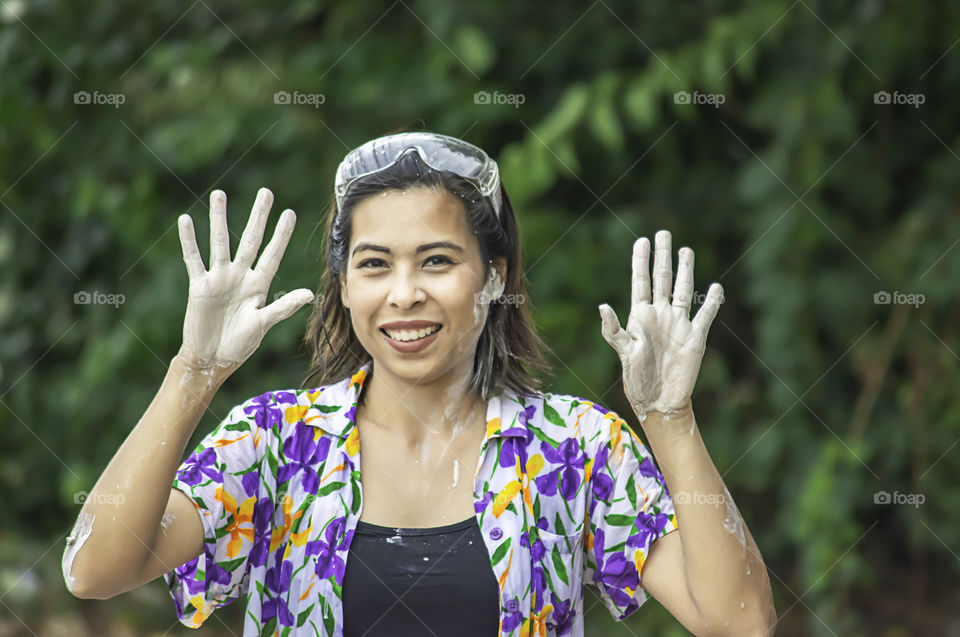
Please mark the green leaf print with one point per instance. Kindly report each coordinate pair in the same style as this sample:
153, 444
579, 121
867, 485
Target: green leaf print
500, 552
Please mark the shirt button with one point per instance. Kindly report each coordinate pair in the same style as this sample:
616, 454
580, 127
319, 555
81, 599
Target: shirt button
496, 533
513, 605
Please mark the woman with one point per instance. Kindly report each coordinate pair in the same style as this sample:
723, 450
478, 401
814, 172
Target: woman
420, 345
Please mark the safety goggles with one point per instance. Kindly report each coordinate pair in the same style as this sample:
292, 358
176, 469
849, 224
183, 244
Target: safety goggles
440, 152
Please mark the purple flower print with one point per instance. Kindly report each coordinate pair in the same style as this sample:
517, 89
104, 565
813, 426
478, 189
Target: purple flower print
602, 482
482, 504
304, 454
262, 530
648, 469
537, 550
614, 573
511, 620
539, 585
264, 412
199, 465
329, 561
516, 447
645, 527
571, 460
563, 615
278, 582
250, 482
213, 573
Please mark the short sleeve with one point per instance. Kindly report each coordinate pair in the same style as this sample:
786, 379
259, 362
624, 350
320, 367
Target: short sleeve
221, 476
628, 508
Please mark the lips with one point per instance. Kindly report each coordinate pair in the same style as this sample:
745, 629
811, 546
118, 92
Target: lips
409, 347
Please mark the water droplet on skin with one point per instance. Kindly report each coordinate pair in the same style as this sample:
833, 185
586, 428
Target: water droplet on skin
748, 570
742, 605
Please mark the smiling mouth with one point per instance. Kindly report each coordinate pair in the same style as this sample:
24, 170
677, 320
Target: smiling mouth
411, 336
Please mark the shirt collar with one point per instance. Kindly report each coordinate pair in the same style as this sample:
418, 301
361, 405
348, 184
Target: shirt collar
334, 408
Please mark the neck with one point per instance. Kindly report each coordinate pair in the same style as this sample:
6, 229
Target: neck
416, 412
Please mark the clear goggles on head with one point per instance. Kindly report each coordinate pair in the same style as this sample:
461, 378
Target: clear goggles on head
439, 152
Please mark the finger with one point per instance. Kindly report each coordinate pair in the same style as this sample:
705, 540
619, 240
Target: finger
286, 305
219, 234
683, 291
640, 289
188, 242
253, 233
611, 330
270, 259
707, 312
662, 267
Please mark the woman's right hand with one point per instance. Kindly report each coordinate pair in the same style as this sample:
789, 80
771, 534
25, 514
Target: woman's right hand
226, 319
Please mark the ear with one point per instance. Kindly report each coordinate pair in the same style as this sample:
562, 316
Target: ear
500, 263
343, 293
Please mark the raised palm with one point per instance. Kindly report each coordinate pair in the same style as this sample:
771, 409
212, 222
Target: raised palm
661, 349
226, 317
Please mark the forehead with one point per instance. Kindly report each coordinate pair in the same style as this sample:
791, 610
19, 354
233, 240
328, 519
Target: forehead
411, 216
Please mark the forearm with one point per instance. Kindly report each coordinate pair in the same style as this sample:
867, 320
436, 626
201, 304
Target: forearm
724, 570
121, 516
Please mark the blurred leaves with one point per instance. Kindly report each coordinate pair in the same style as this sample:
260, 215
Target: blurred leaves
799, 193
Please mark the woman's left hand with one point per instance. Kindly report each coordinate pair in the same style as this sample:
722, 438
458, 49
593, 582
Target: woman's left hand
661, 349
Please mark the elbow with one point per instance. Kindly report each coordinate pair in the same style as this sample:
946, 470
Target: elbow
82, 589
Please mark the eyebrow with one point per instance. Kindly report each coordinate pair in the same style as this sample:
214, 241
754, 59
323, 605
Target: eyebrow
426, 246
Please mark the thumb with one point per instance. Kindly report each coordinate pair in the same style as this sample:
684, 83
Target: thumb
611, 330
286, 305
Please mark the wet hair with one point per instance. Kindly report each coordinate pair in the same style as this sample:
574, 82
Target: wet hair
508, 344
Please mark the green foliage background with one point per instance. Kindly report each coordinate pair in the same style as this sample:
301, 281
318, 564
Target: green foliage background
800, 194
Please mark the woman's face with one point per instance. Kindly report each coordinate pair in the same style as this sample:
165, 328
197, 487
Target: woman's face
413, 257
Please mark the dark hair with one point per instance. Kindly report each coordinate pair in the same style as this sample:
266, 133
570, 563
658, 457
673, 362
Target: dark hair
508, 340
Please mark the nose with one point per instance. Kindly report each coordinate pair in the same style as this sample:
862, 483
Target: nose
405, 290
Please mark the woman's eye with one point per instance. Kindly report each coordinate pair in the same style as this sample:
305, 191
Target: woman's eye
363, 264
440, 259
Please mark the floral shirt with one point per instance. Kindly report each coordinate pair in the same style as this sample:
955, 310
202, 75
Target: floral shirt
565, 495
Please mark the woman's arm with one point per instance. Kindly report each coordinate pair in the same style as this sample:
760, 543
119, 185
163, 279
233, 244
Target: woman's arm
133, 526
709, 574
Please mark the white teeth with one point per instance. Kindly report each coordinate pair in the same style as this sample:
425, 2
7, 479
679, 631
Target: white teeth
411, 335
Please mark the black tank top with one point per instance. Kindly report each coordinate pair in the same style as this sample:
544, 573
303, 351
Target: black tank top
441, 575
